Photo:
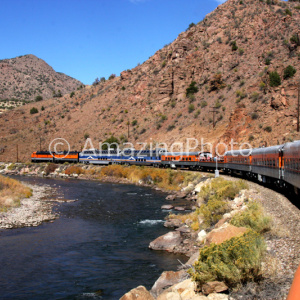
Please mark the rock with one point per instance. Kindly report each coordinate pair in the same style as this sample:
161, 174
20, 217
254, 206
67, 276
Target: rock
167, 241
184, 229
173, 223
179, 208
221, 222
225, 232
168, 207
201, 236
182, 291
166, 280
139, 293
214, 287
215, 296
193, 259
171, 197
181, 195
200, 185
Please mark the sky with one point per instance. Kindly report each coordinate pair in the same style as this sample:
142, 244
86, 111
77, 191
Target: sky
86, 39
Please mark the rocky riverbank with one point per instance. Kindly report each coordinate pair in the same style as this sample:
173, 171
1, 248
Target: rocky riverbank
278, 265
31, 212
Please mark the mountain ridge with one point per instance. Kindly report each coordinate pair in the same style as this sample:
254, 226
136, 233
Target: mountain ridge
27, 76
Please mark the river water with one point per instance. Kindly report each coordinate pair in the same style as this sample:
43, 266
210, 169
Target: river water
96, 249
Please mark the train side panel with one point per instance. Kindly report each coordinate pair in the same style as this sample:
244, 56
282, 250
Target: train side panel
291, 163
266, 162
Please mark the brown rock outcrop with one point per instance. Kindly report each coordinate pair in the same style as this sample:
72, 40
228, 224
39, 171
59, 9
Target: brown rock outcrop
225, 232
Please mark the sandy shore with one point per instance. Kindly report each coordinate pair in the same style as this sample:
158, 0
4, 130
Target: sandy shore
32, 211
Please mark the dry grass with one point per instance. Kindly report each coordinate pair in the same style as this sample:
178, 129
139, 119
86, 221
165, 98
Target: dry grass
163, 178
11, 191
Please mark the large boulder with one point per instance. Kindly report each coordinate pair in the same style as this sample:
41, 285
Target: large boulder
224, 233
167, 241
166, 280
139, 293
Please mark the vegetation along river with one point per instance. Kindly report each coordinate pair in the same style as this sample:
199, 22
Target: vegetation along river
96, 249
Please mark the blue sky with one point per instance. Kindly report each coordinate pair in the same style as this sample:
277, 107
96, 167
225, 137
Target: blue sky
86, 39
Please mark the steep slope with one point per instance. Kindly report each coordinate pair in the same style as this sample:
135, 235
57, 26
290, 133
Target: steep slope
230, 56
25, 77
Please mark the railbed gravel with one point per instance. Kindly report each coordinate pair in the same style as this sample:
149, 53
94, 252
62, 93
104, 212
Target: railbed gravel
283, 247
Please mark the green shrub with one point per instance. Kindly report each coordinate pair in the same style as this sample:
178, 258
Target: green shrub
38, 98
234, 262
288, 12
72, 94
203, 104
274, 79
268, 129
295, 39
213, 211
134, 122
289, 72
253, 217
234, 46
254, 96
192, 89
33, 110
191, 108
111, 141
254, 116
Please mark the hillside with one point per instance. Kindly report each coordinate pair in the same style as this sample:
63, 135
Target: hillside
232, 56
25, 77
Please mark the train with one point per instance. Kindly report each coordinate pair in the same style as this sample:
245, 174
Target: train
279, 164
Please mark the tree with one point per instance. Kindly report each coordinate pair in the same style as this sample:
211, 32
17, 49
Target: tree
96, 81
274, 79
38, 98
192, 89
33, 110
112, 142
289, 72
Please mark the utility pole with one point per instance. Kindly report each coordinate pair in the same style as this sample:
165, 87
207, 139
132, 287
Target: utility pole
298, 108
128, 128
40, 144
214, 111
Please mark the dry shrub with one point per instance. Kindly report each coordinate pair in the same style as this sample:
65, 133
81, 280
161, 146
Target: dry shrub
253, 217
221, 189
235, 261
11, 191
115, 171
163, 178
50, 168
74, 170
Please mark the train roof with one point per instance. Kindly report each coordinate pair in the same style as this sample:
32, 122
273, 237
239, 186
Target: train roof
181, 153
242, 152
292, 148
268, 150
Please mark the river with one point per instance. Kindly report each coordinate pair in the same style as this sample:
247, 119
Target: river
96, 249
